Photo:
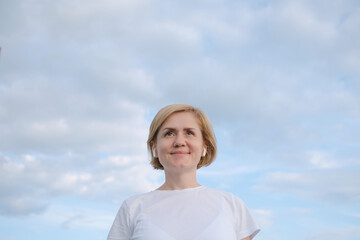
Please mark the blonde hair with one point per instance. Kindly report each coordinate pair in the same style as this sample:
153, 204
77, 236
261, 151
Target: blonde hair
206, 128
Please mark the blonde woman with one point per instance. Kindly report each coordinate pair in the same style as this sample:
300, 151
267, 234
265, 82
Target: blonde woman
181, 140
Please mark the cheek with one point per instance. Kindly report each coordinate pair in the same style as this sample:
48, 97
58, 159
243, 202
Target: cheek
198, 147
161, 148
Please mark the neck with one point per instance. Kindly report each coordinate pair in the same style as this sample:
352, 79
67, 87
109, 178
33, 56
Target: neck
179, 181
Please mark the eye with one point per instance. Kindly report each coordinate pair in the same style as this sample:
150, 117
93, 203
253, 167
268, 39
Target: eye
169, 133
189, 132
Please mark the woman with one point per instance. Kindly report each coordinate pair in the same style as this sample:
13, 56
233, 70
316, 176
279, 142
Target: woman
181, 140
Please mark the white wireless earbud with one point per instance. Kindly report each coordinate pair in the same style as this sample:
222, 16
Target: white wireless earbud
154, 152
204, 152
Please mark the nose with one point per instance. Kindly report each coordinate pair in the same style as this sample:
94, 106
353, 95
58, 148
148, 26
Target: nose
179, 140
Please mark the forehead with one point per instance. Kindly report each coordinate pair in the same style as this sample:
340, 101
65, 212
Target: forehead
182, 119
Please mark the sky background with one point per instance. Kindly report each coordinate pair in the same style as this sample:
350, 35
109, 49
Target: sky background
80, 82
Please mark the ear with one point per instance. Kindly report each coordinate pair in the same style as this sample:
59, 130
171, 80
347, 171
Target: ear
204, 152
153, 149
154, 152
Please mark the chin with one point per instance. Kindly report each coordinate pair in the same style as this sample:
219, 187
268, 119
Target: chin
183, 167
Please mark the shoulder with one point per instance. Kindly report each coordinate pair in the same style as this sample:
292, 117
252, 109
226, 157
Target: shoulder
132, 206
142, 201
138, 199
228, 199
224, 195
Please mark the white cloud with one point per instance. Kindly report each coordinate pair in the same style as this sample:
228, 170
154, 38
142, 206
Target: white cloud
78, 217
41, 119
352, 214
335, 186
336, 234
79, 83
227, 172
118, 160
322, 160
29, 184
54, 127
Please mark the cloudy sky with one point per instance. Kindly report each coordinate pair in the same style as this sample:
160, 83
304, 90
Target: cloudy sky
80, 82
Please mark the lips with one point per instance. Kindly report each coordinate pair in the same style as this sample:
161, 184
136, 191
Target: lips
179, 152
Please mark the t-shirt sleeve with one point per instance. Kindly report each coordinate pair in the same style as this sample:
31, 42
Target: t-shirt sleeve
121, 230
245, 224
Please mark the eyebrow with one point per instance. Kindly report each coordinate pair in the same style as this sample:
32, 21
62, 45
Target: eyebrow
174, 129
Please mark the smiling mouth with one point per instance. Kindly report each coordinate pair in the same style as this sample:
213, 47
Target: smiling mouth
179, 153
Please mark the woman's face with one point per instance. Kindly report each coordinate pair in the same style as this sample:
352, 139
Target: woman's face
179, 143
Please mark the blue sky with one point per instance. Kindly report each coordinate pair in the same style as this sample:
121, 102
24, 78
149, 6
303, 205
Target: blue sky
80, 82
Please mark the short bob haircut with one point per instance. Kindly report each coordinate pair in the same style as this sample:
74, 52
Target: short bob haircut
206, 128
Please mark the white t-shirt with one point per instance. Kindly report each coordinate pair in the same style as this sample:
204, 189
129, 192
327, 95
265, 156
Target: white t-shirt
199, 213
